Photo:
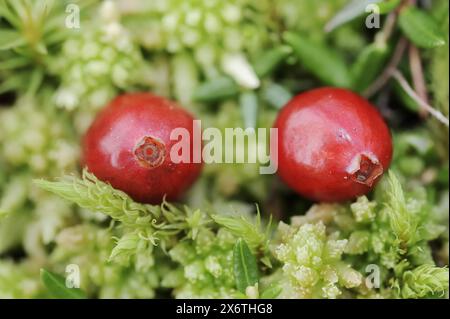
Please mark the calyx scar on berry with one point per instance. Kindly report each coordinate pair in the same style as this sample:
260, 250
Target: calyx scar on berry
150, 152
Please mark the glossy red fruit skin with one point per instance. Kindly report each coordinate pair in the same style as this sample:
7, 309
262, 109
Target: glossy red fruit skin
128, 145
321, 133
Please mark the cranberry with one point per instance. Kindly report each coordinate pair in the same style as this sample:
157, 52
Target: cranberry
333, 145
128, 145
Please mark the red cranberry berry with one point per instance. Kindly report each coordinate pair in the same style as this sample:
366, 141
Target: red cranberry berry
128, 145
333, 144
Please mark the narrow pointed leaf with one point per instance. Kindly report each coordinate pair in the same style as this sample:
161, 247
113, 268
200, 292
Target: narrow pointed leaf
421, 28
248, 102
268, 61
245, 266
185, 77
13, 62
271, 292
57, 288
10, 39
276, 95
320, 60
352, 10
216, 89
368, 65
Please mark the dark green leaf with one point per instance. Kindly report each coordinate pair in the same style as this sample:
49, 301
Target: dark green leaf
320, 60
420, 28
10, 39
271, 292
268, 61
248, 102
245, 266
368, 65
216, 89
56, 286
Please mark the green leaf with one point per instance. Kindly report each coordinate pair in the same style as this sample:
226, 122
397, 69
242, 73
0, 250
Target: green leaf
357, 8
10, 39
349, 12
268, 61
57, 288
271, 292
320, 60
35, 81
9, 15
245, 266
216, 89
248, 102
276, 95
420, 28
368, 65
185, 77
388, 6
13, 62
